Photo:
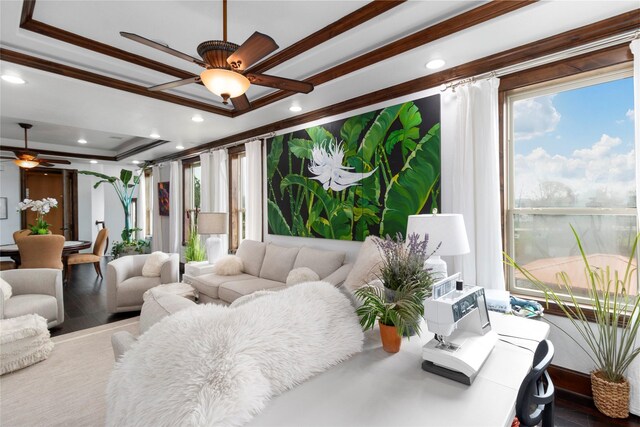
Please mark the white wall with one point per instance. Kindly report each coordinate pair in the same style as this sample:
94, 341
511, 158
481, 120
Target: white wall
9, 188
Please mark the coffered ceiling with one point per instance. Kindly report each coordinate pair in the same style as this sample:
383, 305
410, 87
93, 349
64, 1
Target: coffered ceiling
84, 79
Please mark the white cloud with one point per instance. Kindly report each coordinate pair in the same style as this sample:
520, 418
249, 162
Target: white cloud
630, 114
595, 172
534, 117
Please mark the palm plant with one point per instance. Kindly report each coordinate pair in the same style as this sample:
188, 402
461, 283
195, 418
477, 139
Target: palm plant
617, 314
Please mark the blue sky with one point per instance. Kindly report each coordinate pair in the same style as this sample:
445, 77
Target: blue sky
582, 138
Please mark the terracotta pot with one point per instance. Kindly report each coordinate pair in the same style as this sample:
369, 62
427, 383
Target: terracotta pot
612, 399
390, 338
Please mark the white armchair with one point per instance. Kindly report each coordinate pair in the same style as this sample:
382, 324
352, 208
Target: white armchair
126, 284
34, 291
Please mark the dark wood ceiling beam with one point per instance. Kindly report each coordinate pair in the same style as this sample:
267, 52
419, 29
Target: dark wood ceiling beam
87, 76
346, 23
579, 36
140, 149
437, 31
28, 6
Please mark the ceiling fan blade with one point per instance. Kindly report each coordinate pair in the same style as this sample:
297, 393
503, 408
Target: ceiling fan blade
46, 164
252, 50
241, 103
279, 83
175, 83
59, 161
162, 47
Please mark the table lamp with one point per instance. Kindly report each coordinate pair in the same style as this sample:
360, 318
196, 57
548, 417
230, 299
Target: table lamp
213, 224
448, 230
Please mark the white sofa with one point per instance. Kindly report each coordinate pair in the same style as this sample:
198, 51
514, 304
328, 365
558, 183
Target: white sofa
266, 267
126, 284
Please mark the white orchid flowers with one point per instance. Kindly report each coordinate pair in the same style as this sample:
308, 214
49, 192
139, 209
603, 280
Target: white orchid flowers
41, 206
326, 165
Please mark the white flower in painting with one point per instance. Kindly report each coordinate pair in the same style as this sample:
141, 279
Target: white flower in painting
326, 165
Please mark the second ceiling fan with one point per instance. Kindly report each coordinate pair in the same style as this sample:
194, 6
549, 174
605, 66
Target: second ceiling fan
226, 66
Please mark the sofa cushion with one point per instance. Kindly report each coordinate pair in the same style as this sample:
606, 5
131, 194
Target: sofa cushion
367, 265
158, 305
322, 262
6, 289
231, 291
278, 262
252, 254
43, 305
153, 264
228, 265
131, 290
208, 284
301, 275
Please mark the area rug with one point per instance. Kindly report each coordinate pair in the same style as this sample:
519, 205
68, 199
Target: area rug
67, 389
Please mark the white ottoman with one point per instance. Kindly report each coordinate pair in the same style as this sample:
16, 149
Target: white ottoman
24, 340
181, 289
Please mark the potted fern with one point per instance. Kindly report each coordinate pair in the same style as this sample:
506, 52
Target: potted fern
396, 301
611, 342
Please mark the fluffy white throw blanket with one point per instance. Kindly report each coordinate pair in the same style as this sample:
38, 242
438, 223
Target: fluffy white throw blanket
218, 366
24, 341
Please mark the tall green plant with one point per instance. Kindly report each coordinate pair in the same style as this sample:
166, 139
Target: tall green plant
195, 250
124, 186
612, 339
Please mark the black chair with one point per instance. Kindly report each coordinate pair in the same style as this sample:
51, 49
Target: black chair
535, 397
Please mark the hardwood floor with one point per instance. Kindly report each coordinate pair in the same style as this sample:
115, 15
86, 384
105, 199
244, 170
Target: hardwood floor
85, 301
85, 306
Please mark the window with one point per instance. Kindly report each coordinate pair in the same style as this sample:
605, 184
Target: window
148, 196
191, 196
133, 216
237, 196
571, 160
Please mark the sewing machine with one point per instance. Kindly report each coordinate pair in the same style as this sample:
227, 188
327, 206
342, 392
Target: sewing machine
458, 317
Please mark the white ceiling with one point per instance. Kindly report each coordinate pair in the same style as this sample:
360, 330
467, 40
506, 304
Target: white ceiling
64, 108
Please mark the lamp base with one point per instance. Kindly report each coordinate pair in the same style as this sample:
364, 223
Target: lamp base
214, 248
437, 266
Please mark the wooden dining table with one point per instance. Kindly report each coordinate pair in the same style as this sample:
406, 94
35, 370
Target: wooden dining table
70, 247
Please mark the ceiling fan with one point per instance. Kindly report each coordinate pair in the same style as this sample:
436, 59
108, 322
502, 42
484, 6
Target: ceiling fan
28, 159
226, 66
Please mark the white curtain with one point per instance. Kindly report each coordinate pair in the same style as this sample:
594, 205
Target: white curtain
205, 182
175, 211
157, 239
634, 370
219, 180
142, 206
471, 177
253, 218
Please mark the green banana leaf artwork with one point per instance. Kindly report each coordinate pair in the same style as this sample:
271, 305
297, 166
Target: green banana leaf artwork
356, 177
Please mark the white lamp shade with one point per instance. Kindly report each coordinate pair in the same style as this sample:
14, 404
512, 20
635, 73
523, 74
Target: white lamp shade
446, 228
212, 223
227, 82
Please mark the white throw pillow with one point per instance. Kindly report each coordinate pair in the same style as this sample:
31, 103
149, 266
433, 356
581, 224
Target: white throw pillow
301, 275
153, 264
228, 265
6, 289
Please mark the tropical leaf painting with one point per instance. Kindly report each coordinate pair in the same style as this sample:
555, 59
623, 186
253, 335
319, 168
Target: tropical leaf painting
356, 177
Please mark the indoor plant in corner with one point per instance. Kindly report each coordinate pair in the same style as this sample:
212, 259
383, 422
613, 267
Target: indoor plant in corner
398, 308
611, 338
124, 186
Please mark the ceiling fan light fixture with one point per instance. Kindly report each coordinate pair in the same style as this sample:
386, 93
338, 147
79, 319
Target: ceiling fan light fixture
26, 164
225, 83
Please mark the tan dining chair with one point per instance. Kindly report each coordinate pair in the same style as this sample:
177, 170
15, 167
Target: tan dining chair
41, 251
20, 234
93, 258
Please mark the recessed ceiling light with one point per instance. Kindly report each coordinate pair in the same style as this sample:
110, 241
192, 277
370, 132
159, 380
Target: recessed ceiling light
154, 135
197, 118
136, 162
13, 79
93, 161
295, 108
434, 64
179, 147
82, 141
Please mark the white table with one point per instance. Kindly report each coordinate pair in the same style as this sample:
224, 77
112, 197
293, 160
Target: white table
375, 388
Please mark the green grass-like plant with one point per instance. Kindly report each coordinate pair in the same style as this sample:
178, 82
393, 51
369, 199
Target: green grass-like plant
195, 250
612, 338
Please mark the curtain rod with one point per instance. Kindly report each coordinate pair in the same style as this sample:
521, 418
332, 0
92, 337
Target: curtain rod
578, 50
